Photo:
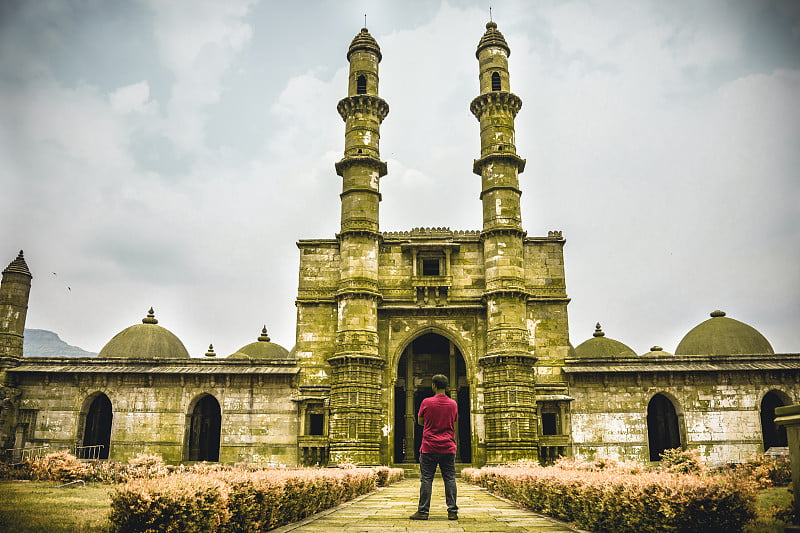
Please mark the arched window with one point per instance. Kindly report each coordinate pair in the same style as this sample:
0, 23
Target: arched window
97, 428
206, 421
663, 432
495, 81
361, 85
774, 435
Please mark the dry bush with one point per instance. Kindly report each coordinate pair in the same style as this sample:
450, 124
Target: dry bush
611, 501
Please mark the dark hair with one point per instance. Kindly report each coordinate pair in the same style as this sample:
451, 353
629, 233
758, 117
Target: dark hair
440, 381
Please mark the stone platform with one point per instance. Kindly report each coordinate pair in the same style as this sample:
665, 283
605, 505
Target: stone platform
388, 510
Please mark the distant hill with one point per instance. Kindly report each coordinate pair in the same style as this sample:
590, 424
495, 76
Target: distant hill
43, 343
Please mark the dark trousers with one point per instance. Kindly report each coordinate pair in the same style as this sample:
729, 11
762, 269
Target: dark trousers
427, 469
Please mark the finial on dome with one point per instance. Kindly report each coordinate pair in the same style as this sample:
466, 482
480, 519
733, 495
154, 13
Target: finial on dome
491, 25
717, 313
598, 332
264, 337
210, 352
656, 349
150, 318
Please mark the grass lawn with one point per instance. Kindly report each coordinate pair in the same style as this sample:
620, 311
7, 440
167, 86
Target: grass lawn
40, 507
767, 498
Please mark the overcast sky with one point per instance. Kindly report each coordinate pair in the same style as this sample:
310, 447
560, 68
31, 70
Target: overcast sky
170, 154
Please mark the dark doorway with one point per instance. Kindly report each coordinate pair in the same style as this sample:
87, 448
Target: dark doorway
774, 435
206, 421
97, 430
427, 355
663, 432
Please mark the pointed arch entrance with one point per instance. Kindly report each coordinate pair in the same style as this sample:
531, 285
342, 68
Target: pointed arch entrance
97, 424
427, 355
773, 434
204, 429
663, 428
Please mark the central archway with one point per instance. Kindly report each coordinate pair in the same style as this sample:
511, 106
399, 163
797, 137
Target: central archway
427, 355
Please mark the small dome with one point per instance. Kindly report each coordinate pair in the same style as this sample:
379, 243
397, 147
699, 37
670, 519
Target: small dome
145, 341
657, 351
720, 335
492, 37
601, 346
364, 41
261, 349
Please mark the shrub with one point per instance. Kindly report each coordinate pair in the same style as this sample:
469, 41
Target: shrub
185, 503
678, 461
146, 466
613, 501
234, 500
59, 466
767, 471
386, 476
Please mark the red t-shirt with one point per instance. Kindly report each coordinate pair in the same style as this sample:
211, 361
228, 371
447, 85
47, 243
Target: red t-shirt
439, 414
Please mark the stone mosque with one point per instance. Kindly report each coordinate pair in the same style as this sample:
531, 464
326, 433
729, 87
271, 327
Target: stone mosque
378, 313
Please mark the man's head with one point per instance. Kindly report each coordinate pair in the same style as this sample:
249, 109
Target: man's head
440, 382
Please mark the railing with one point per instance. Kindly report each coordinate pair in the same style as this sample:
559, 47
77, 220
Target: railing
20, 455
88, 452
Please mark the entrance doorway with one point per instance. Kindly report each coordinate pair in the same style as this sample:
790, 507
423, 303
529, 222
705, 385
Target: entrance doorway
206, 421
427, 355
663, 431
773, 434
97, 429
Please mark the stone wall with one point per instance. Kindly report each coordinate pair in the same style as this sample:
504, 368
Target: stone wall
151, 413
718, 412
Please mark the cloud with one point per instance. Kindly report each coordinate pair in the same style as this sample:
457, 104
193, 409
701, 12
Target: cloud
130, 98
198, 43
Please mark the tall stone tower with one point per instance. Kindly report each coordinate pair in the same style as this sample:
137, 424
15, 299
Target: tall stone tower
15, 289
508, 366
356, 366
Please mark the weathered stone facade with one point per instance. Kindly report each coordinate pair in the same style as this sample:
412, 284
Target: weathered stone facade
378, 313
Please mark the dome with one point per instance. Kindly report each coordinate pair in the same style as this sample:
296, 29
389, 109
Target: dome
492, 37
261, 349
720, 335
145, 341
364, 41
657, 351
601, 346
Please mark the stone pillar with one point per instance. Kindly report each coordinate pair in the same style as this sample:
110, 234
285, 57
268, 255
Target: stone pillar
454, 385
411, 415
356, 366
508, 373
789, 417
15, 289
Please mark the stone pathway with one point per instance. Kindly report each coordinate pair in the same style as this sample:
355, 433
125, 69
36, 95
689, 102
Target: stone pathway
388, 509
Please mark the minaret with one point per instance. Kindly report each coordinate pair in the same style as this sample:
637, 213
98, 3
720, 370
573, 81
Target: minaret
508, 371
356, 368
15, 288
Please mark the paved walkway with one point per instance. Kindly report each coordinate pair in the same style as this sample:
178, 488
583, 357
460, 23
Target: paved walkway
388, 509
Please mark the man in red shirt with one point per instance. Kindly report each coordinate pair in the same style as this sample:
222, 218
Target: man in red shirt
437, 416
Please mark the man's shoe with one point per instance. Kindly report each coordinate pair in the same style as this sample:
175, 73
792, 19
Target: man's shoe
418, 516
452, 515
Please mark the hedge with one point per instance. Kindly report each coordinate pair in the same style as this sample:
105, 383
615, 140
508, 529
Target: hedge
614, 502
236, 501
